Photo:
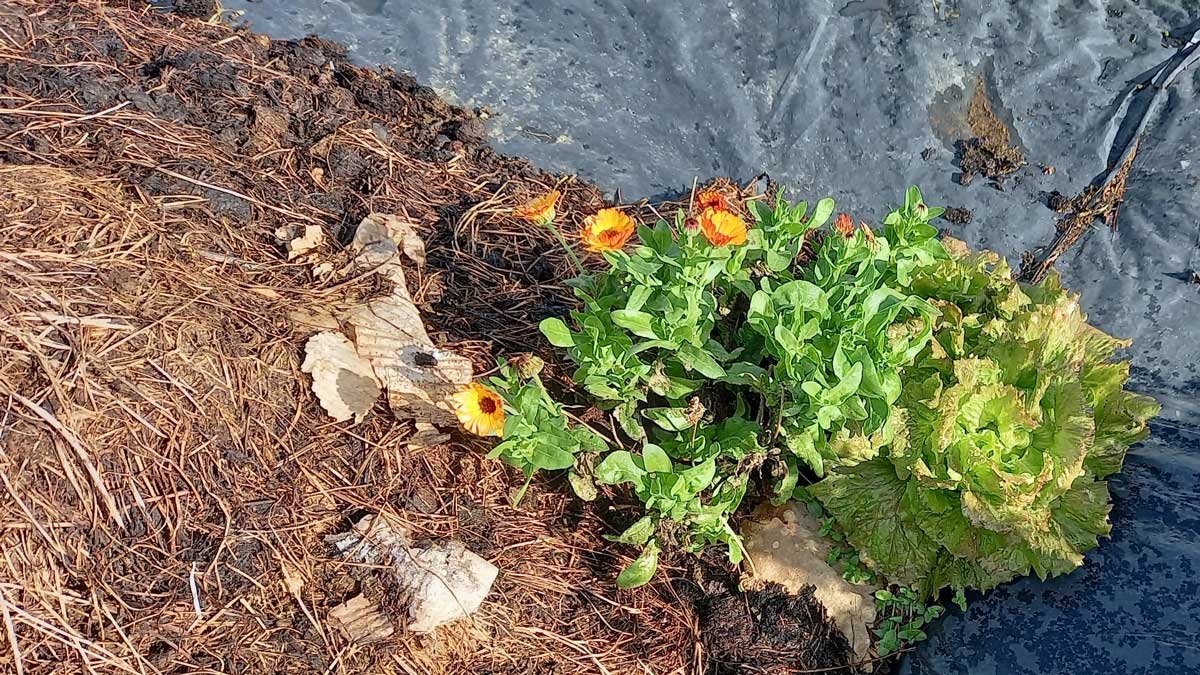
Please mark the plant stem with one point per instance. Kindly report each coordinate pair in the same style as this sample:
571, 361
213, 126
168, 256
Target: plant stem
567, 247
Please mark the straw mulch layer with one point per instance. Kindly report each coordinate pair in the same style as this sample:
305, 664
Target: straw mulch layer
166, 477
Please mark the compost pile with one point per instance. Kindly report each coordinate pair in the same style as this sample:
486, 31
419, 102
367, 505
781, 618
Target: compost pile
169, 479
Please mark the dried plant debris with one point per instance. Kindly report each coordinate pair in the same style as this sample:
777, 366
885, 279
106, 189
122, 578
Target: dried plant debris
439, 582
344, 382
389, 339
300, 240
1058, 202
362, 621
1097, 201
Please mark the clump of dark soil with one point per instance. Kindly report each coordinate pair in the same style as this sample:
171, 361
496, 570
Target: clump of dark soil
196, 9
990, 152
1058, 202
769, 631
958, 215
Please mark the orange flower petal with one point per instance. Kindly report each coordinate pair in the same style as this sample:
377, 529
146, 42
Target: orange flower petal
540, 210
607, 230
711, 199
723, 228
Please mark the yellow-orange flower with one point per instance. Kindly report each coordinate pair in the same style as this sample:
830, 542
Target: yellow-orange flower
711, 199
480, 410
723, 228
607, 230
540, 210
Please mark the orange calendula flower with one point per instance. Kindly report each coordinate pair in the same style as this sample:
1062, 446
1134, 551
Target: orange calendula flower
480, 410
844, 225
607, 230
540, 210
722, 228
711, 199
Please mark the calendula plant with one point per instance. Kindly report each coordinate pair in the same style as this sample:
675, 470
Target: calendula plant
537, 435
955, 425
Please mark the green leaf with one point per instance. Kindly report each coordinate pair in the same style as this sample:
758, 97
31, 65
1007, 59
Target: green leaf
742, 373
787, 485
589, 441
866, 501
821, 212
551, 457
626, 414
619, 467
641, 570
637, 534
762, 212
657, 238
655, 459
699, 477
778, 262
672, 387
787, 340
638, 297
671, 419
847, 385
694, 358
636, 322
803, 445
803, 295
960, 599
583, 486
556, 332
912, 197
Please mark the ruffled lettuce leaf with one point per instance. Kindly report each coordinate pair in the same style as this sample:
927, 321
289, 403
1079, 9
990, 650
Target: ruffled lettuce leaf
1006, 424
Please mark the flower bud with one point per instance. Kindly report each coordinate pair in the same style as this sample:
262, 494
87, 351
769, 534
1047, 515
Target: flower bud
528, 366
844, 225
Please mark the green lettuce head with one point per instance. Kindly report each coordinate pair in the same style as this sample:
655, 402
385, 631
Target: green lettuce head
1007, 424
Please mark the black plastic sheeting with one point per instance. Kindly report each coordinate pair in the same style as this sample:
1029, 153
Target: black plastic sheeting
841, 98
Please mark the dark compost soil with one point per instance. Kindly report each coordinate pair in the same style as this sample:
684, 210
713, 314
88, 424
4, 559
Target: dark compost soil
168, 475
769, 628
958, 215
990, 152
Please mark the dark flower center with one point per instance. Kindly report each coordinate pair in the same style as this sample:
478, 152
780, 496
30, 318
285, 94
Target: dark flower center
487, 404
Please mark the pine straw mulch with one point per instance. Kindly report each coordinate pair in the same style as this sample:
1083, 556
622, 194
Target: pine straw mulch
167, 478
